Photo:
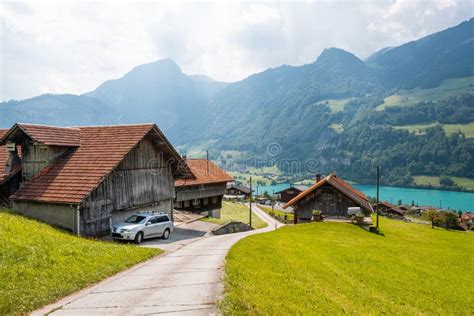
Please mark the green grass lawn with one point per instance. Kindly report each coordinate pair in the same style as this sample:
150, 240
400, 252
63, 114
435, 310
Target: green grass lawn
40, 264
338, 128
336, 105
268, 210
467, 129
449, 87
434, 181
338, 268
236, 212
245, 178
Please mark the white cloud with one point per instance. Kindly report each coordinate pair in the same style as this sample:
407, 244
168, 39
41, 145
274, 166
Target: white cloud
73, 47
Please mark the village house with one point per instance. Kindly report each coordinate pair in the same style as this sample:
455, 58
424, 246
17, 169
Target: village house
238, 190
205, 191
330, 195
287, 194
388, 209
87, 178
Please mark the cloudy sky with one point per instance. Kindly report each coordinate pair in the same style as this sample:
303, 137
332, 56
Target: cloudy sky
73, 47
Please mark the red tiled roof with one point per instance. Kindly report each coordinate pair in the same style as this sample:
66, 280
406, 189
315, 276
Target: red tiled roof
205, 172
391, 207
339, 184
48, 135
72, 177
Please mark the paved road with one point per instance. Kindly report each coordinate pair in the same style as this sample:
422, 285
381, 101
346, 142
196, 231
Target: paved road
185, 281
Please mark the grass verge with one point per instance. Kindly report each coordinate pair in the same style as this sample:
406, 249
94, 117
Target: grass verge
335, 268
236, 212
268, 210
40, 264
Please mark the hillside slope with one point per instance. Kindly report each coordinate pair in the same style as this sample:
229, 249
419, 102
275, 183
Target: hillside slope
40, 264
338, 268
426, 62
160, 92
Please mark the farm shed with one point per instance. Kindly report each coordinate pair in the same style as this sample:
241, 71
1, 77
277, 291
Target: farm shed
86, 178
330, 195
205, 191
389, 209
234, 189
287, 194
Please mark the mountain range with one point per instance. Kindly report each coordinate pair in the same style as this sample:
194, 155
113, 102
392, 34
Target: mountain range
321, 110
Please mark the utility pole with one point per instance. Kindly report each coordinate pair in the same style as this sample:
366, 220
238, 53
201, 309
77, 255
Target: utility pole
378, 189
250, 208
273, 200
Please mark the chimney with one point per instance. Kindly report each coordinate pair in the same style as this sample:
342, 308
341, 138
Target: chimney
318, 177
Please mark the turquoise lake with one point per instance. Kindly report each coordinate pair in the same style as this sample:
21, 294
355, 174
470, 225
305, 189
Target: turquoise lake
454, 200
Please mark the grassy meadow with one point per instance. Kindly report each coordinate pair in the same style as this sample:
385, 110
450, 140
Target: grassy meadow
236, 212
434, 181
337, 268
466, 129
336, 105
268, 209
449, 87
40, 264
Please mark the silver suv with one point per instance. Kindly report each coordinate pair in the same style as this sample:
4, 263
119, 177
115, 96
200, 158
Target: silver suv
143, 225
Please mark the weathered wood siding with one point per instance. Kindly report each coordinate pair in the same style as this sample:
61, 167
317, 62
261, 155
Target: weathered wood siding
36, 157
326, 199
141, 181
287, 195
200, 191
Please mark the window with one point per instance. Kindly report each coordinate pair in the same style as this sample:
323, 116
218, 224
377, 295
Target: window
205, 201
214, 199
162, 219
135, 219
154, 220
186, 203
196, 202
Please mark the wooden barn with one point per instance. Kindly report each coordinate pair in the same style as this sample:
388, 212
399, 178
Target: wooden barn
330, 195
287, 194
234, 189
85, 179
205, 191
388, 209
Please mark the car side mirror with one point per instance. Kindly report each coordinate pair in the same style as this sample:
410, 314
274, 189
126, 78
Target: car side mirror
148, 224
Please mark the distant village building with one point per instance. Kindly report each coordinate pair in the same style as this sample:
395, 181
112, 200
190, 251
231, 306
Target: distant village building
205, 191
388, 209
330, 195
85, 179
287, 194
238, 190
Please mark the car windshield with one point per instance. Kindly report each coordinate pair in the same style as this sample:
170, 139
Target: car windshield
135, 219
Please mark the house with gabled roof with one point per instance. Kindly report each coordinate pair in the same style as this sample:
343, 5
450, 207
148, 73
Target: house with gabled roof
330, 195
238, 190
205, 191
287, 194
86, 178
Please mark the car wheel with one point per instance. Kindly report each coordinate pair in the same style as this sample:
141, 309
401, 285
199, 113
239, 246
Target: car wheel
138, 237
166, 234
